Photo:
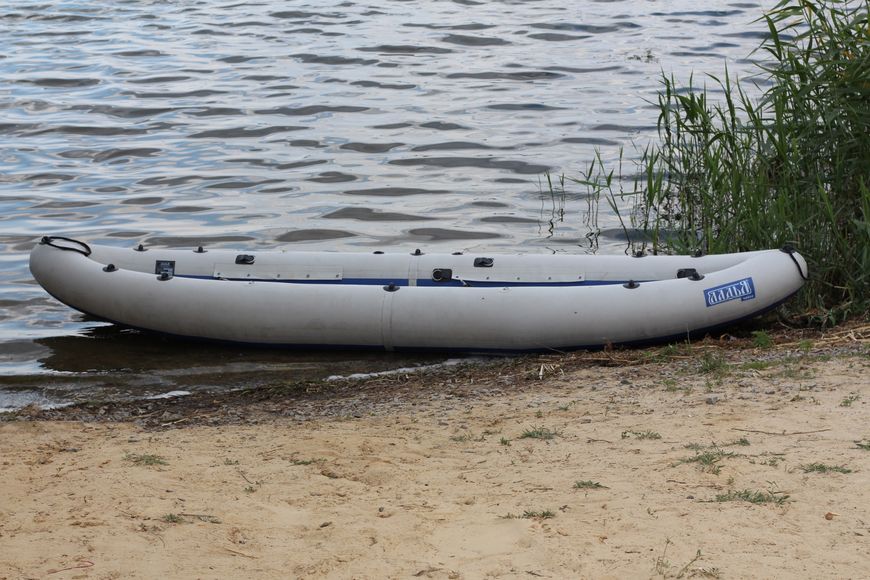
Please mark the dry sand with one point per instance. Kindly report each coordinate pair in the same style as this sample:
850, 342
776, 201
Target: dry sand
437, 480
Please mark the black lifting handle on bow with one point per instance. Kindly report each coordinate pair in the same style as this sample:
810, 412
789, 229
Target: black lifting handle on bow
788, 249
84, 250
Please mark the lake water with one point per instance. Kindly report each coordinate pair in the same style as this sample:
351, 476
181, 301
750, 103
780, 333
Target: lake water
310, 125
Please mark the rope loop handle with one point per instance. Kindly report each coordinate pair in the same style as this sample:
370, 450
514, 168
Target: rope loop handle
84, 249
789, 249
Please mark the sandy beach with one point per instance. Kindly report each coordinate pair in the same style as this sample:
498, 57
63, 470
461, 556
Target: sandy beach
678, 462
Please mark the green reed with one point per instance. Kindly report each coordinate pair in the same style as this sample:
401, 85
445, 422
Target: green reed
786, 163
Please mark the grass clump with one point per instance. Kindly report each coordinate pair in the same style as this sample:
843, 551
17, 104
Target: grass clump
589, 484
713, 364
539, 433
538, 515
771, 460
823, 468
670, 385
847, 401
145, 459
665, 569
173, 519
865, 445
531, 515
708, 460
760, 339
784, 162
755, 365
648, 434
756, 497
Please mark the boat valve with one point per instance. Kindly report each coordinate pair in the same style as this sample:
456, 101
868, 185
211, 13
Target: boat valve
631, 285
442, 274
110, 268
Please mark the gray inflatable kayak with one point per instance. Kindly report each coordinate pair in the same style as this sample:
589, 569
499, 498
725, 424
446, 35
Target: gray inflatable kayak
473, 302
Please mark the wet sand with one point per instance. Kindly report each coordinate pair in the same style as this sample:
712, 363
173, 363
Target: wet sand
598, 465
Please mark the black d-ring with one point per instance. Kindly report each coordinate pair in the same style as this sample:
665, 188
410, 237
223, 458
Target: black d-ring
85, 249
631, 285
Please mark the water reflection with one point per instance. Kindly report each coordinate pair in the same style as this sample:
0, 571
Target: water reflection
110, 349
107, 362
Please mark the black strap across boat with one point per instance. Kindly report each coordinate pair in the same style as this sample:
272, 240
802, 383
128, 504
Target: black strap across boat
84, 249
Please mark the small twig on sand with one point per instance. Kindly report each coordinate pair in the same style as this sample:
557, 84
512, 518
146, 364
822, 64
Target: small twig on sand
245, 477
782, 433
685, 568
231, 551
175, 422
203, 518
82, 564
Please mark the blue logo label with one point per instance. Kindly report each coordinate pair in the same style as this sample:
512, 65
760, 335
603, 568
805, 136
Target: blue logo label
743, 289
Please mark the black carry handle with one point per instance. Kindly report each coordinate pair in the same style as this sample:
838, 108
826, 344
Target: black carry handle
789, 249
85, 249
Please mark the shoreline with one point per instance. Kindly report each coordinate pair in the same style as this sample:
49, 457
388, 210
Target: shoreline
386, 391
715, 460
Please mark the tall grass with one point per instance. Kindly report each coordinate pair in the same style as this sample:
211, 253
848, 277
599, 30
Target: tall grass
788, 162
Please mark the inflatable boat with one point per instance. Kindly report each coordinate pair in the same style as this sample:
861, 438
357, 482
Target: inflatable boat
481, 302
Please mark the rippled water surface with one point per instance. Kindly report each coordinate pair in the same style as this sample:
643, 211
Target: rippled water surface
322, 125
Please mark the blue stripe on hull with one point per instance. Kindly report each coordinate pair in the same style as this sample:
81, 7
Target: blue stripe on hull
420, 282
